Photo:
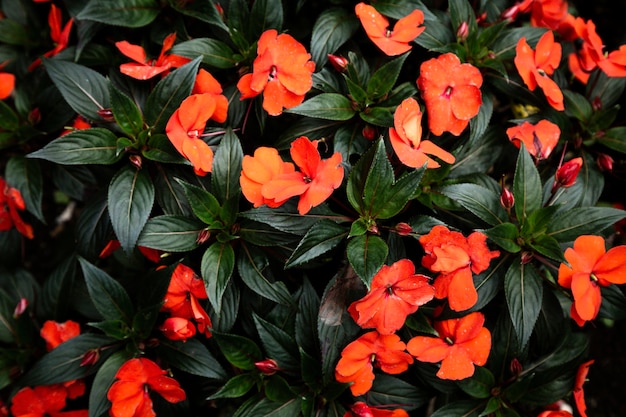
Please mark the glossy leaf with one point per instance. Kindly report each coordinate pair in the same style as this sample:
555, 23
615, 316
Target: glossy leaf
201, 10
89, 146
523, 290
240, 351
218, 263
367, 254
204, 205
329, 106
306, 318
464, 408
227, 168
526, 186
192, 357
478, 385
25, 175
128, 13
264, 15
614, 138
332, 29
504, 235
478, 200
321, 238
236, 387
171, 233
98, 401
567, 226
384, 79
215, 53
253, 268
388, 389
279, 345
125, 111
55, 287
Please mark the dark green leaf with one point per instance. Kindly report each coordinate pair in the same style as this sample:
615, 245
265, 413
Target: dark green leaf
504, 47
548, 246
191, 357
478, 200
332, 29
125, 111
160, 149
478, 385
465, 408
85, 90
383, 80
577, 105
218, 263
615, 138
480, 123
128, 13
348, 141
264, 15
279, 345
321, 238
328, 106
56, 287
505, 235
567, 226
214, 53
523, 290
240, 351
201, 10
387, 389
169, 193
227, 168
25, 175
436, 37
9, 120
461, 11
108, 295
253, 267
89, 146
613, 303
236, 387
116, 329
481, 156
168, 94
526, 186
171, 233
367, 254
306, 318
98, 401
204, 205
73, 180
377, 116
93, 228
130, 200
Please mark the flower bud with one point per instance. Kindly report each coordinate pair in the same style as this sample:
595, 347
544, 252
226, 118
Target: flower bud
267, 367
510, 13
34, 116
106, 114
507, 200
527, 257
596, 104
566, 174
462, 31
369, 132
136, 161
516, 367
403, 229
203, 236
339, 63
360, 409
605, 162
20, 308
90, 357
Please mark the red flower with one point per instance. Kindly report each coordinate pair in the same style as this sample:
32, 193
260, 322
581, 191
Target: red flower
55, 333
535, 67
579, 394
7, 84
370, 350
360, 409
79, 123
314, 183
396, 291
406, 138
548, 13
590, 267
539, 139
259, 170
43, 401
129, 394
588, 48
456, 258
282, 71
615, 63
555, 413
181, 299
462, 343
207, 84
391, 42
451, 91
11, 203
267, 367
144, 68
60, 37
186, 125
566, 174
177, 328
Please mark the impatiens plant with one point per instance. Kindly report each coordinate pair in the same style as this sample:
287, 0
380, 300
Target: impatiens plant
307, 208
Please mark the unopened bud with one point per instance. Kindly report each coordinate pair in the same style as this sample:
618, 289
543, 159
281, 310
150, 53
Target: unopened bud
267, 367
20, 308
339, 63
605, 162
403, 229
516, 367
507, 200
510, 13
90, 357
360, 409
482, 19
596, 104
369, 132
135, 160
527, 257
203, 236
106, 114
220, 10
34, 116
462, 31
373, 228
566, 174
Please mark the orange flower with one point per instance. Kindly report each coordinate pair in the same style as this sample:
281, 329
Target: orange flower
60, 37
615, 63
455, 258
181, 299
7, 84
178, 328
144, 68
535, 66
579, 394
391, 42
539, 139
590, 267
463, 342
588, 48
43, 401
186, 125
314, 183
259, 170
207, 84
11, 202
406, 138
55, 333
129, 394
451, 91
79, 123
396, 291
360, 409
548, 13
370, 350
282, 71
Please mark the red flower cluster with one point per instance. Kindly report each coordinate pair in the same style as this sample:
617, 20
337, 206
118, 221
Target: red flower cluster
144, 68
451, 91
455, 258
539, 139
589, 267
267, 179
129, 395
282, 71
11, 203
181, 301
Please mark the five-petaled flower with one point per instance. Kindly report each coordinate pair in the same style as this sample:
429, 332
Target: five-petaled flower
370, 350
396, 291
144, 68
181, 299
535, 67
314, 183
282, 71
55, 333
590, 266
462, 343
43, 401
391, 42
60, 36
406, 138
11, 203
361, 409
539, 139
451, 91
455, 257
129, 394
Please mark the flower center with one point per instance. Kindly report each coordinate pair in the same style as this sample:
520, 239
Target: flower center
306, 179
193, 133
448, 341
389, 290
272, 75
448, 92
388, 33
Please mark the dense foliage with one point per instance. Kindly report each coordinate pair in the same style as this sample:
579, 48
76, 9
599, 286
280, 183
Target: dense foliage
306, 207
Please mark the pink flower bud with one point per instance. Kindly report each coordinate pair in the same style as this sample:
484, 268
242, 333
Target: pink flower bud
369, 132
516, 367
34, 116
403, 229
267, 367
106, 114
507, 200
90, 357
136, 161
462, 31
566, 174
203, 236
596, 104
339, 63
510, 13
20, 308
527, 257
605, 162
